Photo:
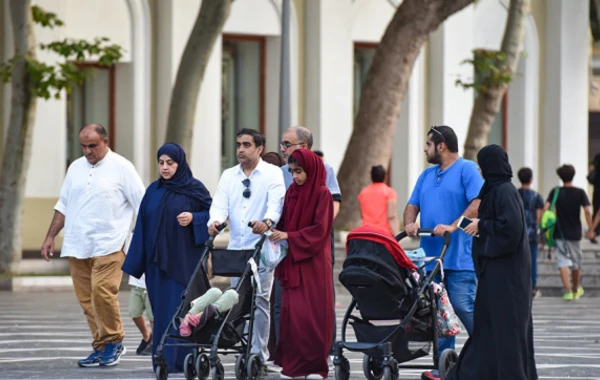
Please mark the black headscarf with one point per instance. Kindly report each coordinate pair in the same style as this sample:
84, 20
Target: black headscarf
495, 168
183, 181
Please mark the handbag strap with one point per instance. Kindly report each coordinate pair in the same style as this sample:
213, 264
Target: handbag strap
554, 198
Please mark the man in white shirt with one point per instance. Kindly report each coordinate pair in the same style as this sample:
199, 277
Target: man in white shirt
252, 192
100, 195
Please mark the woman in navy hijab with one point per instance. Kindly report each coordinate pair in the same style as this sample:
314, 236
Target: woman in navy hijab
167, 242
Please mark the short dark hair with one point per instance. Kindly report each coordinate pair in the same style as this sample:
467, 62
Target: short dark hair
377, 173
444, 134
566, 173
318, 153
292, 160
257, 137
525, 175
99, 129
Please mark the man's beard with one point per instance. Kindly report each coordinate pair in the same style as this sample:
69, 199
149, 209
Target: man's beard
436, 159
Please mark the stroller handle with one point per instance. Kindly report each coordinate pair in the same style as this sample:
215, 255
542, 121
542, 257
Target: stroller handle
424, 232
211, 239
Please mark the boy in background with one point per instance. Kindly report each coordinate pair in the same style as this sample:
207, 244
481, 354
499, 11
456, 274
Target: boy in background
533, 204
568, 231
138, 303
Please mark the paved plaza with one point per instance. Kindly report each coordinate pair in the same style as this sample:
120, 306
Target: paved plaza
42, 335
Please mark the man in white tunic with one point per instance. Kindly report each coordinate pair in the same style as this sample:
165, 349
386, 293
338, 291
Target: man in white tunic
100, 195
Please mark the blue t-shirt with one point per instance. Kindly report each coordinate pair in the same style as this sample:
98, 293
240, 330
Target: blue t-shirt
332, 183
442, 197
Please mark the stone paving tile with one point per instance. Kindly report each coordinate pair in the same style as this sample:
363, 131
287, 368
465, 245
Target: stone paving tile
42, 335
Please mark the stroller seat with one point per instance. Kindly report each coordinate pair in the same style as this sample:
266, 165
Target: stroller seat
380, 286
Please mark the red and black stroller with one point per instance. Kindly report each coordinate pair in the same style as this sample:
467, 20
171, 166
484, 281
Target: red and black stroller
382, 281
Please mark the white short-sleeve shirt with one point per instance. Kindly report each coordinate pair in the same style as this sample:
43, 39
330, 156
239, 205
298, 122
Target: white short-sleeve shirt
99, 203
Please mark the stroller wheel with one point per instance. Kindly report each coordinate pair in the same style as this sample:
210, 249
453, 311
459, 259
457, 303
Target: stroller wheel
217, 372
162, 372
189, 369
390, 372
342, 371
241, 370
202, 367
448, 359
253, 367
372, 368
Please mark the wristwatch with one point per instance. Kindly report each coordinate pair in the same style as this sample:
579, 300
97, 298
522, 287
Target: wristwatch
268, 222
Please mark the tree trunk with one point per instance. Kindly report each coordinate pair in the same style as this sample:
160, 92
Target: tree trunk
382, 94
182, 111
487, 104
17, 147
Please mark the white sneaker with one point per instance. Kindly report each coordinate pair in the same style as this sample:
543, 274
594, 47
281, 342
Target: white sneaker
330, 361
272, 367
314, 376
284, 377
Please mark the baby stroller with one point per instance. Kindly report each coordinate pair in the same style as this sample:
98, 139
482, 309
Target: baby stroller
380, 278
224, 334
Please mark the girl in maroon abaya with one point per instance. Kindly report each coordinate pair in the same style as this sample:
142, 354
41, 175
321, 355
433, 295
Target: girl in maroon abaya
305, 274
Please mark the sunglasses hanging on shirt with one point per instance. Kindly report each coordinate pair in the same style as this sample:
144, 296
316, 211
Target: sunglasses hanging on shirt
247, 191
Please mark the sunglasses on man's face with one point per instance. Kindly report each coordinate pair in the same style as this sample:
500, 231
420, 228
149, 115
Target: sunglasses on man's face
247, 191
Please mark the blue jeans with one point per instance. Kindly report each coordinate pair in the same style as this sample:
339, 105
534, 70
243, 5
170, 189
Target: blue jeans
461, 286
533, 248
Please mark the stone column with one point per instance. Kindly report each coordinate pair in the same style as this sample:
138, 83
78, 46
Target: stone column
565, 127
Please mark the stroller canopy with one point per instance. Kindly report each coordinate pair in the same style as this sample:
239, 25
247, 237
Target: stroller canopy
380, 236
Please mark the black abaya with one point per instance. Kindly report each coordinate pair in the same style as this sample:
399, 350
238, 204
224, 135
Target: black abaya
501, 346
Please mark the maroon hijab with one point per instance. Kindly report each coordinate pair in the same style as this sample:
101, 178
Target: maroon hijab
301, 201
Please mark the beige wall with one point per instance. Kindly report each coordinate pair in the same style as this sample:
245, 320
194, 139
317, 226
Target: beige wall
37, 215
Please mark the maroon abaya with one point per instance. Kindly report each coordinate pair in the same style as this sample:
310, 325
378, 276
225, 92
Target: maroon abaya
306, 330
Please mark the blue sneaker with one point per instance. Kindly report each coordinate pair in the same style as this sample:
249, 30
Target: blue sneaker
112, 354
91, 361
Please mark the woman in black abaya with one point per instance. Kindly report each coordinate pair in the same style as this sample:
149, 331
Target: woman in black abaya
501, 346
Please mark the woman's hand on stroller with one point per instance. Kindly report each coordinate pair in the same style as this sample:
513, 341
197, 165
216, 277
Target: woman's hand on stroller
278, 236
473, 227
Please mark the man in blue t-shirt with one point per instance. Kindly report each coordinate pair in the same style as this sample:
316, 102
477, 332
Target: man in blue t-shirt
295, 138
444, 192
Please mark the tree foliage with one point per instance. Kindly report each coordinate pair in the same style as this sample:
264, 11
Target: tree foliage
49, 80
490, 70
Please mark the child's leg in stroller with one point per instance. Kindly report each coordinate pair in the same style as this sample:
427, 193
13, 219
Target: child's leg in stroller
223, 304
227, 301
206, 299
198, 305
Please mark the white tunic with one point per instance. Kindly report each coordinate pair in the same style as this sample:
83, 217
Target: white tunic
99, 203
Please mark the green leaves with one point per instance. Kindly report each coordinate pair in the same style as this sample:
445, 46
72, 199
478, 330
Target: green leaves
50, 80
45, 19
490, 71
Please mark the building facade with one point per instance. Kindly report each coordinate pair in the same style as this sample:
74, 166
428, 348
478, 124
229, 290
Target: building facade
543, 124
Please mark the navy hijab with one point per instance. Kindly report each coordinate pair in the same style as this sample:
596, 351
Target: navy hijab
183, 182
176, 247
495, 168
